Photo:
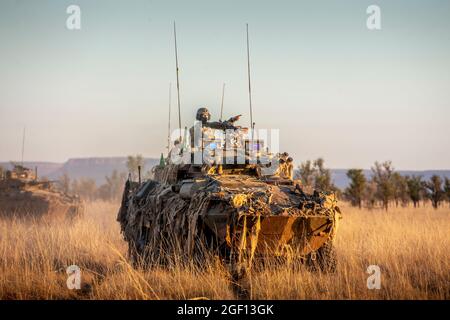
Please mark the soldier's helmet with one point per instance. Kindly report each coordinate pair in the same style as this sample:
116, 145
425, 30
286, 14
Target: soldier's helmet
203, 115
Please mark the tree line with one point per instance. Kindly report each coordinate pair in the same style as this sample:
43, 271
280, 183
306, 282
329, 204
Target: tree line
385, 187
111, 189
87, 188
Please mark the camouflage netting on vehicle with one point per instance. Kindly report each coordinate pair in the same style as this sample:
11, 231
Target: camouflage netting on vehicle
156, 217
161, 217
254, 196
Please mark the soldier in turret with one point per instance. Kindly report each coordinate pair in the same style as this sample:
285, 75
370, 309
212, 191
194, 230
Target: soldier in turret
174, 155
285, 166
204, 116
202, 123
281, 168
284, 156
290, 168
203, 136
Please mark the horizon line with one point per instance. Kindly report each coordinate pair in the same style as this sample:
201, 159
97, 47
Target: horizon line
157, 159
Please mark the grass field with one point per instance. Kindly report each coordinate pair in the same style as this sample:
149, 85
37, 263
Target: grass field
411, 247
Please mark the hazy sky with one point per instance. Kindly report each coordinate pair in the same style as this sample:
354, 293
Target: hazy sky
334, 88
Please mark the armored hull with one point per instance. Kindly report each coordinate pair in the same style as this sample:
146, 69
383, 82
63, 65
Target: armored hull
39, 200
236, 213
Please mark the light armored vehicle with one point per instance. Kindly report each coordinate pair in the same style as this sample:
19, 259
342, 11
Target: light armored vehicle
23, 195
235, 204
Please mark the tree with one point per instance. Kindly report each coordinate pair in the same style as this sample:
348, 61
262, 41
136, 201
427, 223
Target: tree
112, 189
382, 176
115, 183
415, 189
322, 177
355, 191
314, 174
400, 189
447, 189
64, 181
75, 186
306, 173
2, 173
85, 188
133, 163
434, 190
370, 193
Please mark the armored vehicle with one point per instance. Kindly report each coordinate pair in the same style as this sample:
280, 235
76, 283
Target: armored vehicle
23, 195
243, 211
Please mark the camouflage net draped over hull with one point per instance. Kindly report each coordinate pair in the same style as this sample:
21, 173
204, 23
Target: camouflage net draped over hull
254, 196
154, 217
161, 220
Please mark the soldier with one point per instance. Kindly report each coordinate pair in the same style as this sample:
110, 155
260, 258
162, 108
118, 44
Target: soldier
281, 168
290, 168
284, 156
202, 123
286, 167
174, 155
281, 164
204, 116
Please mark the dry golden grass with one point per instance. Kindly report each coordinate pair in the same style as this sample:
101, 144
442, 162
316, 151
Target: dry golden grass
410, 246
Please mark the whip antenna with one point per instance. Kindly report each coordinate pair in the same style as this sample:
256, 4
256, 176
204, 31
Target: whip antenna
23, 144
252, 124
168, 127
221, 106
178, 81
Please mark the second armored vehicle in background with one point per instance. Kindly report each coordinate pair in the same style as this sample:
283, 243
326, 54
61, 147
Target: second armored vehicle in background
23, 195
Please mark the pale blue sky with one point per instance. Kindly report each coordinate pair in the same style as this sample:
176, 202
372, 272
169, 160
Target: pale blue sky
333, 88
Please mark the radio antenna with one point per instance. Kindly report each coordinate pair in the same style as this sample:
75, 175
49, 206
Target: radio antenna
178, 81
168, 127
23, 144
221, 106
252, 124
